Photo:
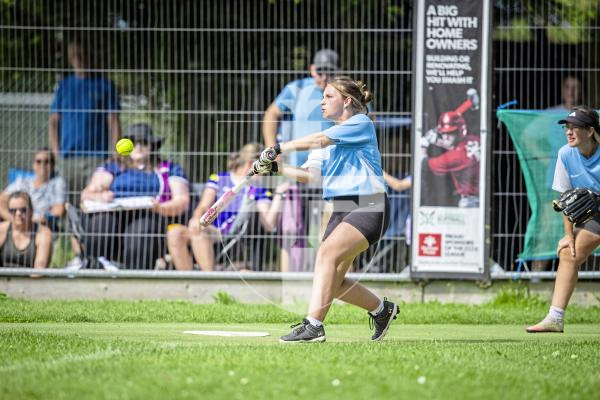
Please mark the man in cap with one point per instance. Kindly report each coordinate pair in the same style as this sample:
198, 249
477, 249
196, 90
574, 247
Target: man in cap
298, 105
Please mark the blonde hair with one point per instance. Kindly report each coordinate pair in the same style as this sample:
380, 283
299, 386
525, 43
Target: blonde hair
249, 152
356, 91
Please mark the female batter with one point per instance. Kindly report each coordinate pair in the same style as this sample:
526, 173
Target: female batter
353, 181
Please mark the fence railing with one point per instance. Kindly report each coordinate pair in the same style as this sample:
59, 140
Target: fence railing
203, 73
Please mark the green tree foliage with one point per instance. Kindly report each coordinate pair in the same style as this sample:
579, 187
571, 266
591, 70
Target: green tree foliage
563, 21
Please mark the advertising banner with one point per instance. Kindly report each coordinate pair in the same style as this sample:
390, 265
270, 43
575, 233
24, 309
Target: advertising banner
450, 138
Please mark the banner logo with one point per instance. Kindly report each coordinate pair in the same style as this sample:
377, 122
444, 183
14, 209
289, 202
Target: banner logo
430, 244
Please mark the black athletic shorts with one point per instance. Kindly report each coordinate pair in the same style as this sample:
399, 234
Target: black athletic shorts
593, 225
369, 214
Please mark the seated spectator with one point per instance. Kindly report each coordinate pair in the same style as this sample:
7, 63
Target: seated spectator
135, 237
400, 223
23, 243
46, 190
202, 238
295, 251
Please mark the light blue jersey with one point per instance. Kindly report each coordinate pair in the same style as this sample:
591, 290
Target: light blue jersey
302, 100
573, 170
354, 165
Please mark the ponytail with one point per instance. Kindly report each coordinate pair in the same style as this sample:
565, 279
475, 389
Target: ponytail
356, 91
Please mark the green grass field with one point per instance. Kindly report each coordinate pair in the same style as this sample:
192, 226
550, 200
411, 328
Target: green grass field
122, 350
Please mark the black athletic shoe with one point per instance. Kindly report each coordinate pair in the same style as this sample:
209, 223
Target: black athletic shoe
304, 332
381, 322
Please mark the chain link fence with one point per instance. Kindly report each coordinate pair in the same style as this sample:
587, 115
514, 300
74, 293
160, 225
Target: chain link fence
202, 74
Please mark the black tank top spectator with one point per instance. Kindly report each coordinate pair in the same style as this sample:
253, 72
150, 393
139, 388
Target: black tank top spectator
23, 243
13, 257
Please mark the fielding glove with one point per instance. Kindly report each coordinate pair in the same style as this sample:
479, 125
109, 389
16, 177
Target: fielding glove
579, 205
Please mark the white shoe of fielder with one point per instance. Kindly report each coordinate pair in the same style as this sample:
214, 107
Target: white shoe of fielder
548, 324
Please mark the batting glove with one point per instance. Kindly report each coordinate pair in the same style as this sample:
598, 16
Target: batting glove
270, 154
259, 168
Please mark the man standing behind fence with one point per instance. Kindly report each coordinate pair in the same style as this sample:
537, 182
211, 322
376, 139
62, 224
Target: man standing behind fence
84, 120
298, 109
298, 106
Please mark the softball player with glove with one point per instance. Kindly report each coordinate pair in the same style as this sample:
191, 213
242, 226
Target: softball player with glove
577, 177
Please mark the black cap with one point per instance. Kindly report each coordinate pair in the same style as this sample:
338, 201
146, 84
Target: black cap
143, 133
581, 119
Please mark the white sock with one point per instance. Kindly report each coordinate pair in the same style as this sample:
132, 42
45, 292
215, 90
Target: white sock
556, 313
378, 309
314, 322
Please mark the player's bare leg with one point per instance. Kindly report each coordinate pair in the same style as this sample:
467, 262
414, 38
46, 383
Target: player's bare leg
356, 294
568, 267
333, 260
382, 313
177, 242
343, 244
566, 279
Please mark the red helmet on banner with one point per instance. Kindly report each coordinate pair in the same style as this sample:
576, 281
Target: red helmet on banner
452, 122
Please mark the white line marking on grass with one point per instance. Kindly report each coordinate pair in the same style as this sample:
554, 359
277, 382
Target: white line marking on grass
62, 360
228, 333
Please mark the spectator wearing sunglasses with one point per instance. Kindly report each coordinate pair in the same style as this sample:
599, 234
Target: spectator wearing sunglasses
135, 237
47, 191
23, 243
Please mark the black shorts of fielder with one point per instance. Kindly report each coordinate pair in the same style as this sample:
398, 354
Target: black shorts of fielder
369, 214
593, 225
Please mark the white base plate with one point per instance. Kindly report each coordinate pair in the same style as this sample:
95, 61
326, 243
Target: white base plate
228, 333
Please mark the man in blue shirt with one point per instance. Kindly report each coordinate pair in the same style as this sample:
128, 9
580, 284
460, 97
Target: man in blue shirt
298, 106
84, 120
